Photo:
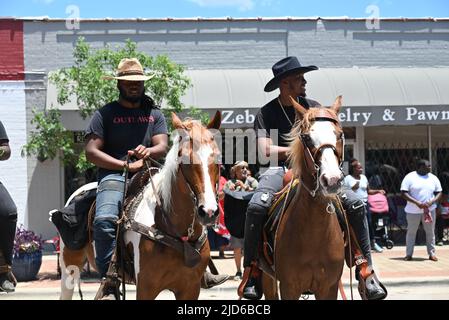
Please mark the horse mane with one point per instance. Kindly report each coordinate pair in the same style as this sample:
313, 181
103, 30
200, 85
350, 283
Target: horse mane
165, 179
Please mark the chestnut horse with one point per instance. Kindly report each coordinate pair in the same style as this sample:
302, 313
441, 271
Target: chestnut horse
309, 246
187, 188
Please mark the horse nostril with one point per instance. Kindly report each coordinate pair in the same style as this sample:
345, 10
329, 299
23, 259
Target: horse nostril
207, 213
324, 181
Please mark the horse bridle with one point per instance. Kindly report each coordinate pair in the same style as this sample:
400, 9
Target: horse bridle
190, 230
313, 160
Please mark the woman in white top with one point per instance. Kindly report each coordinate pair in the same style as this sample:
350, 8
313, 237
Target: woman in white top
422, 190
358, 182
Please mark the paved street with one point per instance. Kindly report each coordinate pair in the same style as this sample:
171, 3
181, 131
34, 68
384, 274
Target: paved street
420, 279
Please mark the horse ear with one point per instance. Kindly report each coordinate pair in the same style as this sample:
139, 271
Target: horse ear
177, 123
215, 123
299, 108
337, 104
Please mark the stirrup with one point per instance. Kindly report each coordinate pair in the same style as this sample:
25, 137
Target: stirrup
370, 288
251, 284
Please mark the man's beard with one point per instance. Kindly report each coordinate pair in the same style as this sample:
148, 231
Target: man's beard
125, 97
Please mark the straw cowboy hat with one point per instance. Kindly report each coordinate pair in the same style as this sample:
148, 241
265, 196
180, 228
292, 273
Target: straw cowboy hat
283, 68
130, 70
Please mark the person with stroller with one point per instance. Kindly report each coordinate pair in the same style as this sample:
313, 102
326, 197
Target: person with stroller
240, 181
357, 182
422, 190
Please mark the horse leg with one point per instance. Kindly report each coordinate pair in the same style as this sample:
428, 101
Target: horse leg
146, 288
331, 293
188, 293
269, 287
71, 262
289, 292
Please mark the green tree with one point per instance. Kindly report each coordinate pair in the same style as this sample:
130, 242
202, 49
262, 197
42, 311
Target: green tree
84, 82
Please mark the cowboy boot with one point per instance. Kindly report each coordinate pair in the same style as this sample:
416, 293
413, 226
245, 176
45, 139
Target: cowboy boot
210, 280
252, 284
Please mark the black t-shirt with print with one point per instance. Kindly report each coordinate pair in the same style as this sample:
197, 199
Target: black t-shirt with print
3, 135
123, 129
272, 117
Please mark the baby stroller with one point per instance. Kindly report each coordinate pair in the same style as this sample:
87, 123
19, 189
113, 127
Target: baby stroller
380, 214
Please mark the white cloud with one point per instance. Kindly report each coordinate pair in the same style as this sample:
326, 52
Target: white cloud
242, 5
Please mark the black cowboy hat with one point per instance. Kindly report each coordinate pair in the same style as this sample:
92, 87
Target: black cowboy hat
283, 68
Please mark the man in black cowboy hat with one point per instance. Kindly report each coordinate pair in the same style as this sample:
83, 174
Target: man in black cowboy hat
273, 124
133, 125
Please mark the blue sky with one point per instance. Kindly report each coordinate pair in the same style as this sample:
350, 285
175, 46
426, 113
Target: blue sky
223, 8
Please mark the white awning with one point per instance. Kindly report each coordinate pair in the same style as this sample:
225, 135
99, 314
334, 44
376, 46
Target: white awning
371, 96
243, 88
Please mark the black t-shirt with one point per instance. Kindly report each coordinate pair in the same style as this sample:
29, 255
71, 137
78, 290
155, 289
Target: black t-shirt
123, 129
272, 117
3, 135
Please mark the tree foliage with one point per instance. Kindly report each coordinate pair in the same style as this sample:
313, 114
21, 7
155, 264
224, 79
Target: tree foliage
84, 81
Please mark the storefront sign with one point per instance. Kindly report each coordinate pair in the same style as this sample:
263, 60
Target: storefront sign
355, 116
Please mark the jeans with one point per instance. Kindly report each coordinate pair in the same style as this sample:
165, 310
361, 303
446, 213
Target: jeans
109, 204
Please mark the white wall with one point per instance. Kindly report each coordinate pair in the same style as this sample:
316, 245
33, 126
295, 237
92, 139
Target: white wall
13, 172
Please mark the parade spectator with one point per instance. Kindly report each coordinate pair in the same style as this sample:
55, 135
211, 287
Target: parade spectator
358, 182
241, 182
218, 235
422, 190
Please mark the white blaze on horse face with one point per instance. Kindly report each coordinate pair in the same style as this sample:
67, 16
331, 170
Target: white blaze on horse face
323, 132
210, 202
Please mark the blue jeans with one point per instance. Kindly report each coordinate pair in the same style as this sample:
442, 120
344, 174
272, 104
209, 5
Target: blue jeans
108, 206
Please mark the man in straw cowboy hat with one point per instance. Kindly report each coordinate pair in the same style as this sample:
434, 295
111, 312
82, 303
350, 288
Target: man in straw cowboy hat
273, 123
133, 125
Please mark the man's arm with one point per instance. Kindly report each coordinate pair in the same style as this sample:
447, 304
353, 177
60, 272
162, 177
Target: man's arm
5, 150
409, 198
435, 199
268, 148
94, 154
158, 150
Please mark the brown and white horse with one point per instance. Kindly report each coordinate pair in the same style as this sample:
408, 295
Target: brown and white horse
187, 187
309, 246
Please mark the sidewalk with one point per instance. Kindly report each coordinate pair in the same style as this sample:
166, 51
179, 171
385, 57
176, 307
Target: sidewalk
390, 266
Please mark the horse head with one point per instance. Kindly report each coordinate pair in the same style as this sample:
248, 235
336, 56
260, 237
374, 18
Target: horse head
198, 160
317, 147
